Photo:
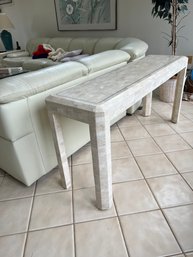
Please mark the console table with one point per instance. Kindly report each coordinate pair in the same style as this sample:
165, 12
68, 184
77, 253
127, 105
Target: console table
101, 99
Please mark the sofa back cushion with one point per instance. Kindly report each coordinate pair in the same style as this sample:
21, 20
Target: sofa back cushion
135, 47
86, 44
32, 44
60, 42
104, 44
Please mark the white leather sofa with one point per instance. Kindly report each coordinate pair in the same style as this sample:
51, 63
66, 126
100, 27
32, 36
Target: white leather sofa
26, 146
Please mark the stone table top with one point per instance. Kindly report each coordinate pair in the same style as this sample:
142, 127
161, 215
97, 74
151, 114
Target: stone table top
106, 86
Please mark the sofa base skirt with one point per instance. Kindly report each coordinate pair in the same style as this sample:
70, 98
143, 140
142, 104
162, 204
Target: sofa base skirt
22, 159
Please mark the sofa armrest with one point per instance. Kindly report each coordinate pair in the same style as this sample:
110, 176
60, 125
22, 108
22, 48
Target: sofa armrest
135, 47
19, 53
4, 54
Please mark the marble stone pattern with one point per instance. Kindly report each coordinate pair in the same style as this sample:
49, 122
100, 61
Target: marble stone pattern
101, 99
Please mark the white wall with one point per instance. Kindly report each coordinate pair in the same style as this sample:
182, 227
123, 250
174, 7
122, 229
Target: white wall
34, 18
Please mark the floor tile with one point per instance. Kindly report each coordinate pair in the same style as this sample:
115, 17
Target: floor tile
148, 234
181, 222
188, 137
85, 206
100, 238
133, 197
171, 143
119, 150
188, 115
182, 160
187, 106
14, 216
125, 169
189, 178
189, 254
128, 121
82, 156
116, 135
12, 189
143, 147
171, 190
155, 165
161, 107
12, 246
50, 183
152, 119
83, 176
183, 126
55, 210
50, 243
165, 115
159, 130
134, 132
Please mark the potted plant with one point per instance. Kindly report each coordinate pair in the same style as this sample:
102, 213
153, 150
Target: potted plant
172, 11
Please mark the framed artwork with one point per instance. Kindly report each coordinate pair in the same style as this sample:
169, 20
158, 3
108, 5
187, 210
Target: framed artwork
86, 14
5, 1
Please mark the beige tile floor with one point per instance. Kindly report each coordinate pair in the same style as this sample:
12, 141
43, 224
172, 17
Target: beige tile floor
152, 213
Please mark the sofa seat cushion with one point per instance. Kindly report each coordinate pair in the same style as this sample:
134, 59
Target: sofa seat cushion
15, 62
36, 64
31, 83
104, 60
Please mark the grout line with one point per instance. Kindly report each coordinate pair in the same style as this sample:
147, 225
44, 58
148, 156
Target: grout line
36, 230
121, 228
33, 197
13, 234
97, 219
15, 199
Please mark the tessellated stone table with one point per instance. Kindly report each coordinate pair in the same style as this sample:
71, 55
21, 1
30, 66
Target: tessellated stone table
101, 99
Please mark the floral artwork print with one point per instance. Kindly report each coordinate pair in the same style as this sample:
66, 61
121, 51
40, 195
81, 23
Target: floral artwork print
85, 12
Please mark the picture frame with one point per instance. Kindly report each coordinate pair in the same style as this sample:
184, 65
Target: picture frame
86, 14
5, 2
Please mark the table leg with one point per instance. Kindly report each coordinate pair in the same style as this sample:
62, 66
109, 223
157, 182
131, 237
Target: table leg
101, 155
178, 96
147, 101
60, 150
